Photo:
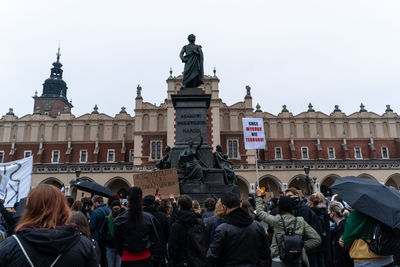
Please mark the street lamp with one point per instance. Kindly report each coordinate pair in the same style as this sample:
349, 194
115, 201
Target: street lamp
307, 172
77, 173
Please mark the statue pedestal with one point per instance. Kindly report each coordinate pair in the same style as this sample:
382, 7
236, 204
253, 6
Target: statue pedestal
191, 105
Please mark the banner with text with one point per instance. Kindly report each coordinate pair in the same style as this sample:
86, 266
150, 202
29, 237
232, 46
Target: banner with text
253, 132
15, 180
165, 182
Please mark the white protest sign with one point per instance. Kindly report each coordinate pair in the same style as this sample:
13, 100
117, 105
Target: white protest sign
253, 132
15, 181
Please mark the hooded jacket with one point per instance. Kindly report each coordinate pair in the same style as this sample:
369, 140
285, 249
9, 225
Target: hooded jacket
177, 243
239, 241
44, 245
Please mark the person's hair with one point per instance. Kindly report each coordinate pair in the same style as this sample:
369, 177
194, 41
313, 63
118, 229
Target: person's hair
209, 204
285, 205
230, 200
166, 206
219, 209
248, 208
77, 206
70, 201
337, 198
292, 190
46, 207
98, 199
185, 202
135, 204
337, 208
316, 198
81, 222
196, 207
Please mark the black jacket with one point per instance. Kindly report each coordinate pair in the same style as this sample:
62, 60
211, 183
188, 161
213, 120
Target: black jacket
44, 245
136, 237
302, 210
159, 250
340, 255
239, 241
177, 243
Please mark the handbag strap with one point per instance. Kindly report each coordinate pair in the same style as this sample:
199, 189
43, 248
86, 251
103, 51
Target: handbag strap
26, 254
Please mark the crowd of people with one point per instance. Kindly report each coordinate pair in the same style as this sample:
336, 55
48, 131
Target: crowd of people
290, 230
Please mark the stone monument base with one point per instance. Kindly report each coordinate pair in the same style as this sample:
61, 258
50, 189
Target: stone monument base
213, 186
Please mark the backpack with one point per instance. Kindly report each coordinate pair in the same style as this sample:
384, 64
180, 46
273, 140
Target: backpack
290, 248
103, 231
385, 240
197, 244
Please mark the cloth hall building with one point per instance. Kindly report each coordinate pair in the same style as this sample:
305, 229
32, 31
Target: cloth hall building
109, 149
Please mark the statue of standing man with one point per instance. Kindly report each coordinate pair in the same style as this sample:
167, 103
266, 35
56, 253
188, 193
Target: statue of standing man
192, 55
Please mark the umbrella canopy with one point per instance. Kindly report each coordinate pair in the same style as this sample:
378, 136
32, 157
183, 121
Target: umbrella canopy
94, 188
370, 197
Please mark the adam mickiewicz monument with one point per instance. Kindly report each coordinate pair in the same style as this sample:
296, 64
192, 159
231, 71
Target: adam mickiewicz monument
192, 55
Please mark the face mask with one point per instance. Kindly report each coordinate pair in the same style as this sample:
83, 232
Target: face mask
116, 212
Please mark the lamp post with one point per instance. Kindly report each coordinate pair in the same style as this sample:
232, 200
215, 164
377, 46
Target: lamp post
77, 173
308, 180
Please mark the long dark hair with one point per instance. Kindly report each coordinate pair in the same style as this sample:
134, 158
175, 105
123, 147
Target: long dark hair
135, 204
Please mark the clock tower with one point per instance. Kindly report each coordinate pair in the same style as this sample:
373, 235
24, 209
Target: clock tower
53, 100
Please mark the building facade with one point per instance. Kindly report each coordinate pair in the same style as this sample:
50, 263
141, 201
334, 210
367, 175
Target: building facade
109, 149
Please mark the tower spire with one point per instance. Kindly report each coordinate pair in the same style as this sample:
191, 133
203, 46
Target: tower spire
58, 52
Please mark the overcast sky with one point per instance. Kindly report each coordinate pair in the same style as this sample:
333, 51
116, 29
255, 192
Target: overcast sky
289, 52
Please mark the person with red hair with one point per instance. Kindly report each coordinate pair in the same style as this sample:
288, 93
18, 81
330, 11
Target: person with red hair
44, 235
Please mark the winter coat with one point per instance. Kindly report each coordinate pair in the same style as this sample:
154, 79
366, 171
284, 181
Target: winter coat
159, 249
302, 229
239, 241
340, 255
325, 247
136, 237
177, 243
302, 210
208, 214
44, 245
96, 220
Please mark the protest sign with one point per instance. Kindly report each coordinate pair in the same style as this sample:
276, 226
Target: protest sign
253, 132
16, 179
165, 181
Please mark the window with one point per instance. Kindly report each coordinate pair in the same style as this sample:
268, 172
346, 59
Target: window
1, 156
27, 153
304, 153
331, 153
357, 152
83, 156
385, 152
278, 153
233, 149
55, 156
110, 155
131, 155
155, 150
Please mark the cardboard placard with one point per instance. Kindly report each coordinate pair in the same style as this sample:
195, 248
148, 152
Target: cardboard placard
166, 181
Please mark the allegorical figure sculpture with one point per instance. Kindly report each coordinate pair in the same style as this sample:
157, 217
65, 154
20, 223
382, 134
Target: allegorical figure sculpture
165, 162
221, 162
192, 55
191, 164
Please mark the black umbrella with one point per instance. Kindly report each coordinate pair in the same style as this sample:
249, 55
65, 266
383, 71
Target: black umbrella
370, 197
93, 188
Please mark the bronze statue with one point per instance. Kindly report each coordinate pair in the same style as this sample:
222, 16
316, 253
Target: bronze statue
192, 55
165, 162
221, 162
191, 164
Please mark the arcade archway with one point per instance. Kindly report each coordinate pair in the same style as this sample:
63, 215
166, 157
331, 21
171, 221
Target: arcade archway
298, 182
243, 186
52, 181
367, 176
117, 184
326, 183
393, 180
271, 184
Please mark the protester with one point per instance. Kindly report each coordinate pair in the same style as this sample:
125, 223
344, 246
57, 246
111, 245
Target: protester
113, 258
358, 228
285, 210
77, 206
159, 250
209, 205
301, 208
44, 235
321, 255
87, 204
9, 219
178, 246
340, 255
134, 232
82, 225
196, 208
219, 214
237, 234
97, 220
70, 201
